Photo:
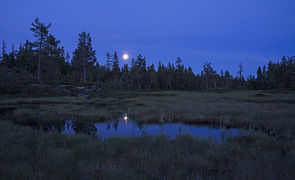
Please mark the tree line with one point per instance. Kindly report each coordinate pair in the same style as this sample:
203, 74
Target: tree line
44, 61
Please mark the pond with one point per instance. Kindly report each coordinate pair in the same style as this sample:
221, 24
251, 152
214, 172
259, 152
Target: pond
124, 126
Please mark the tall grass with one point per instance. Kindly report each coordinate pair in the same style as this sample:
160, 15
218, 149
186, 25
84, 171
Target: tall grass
25, 154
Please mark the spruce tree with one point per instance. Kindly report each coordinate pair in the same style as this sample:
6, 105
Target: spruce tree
108, 61
259, 78
115, 68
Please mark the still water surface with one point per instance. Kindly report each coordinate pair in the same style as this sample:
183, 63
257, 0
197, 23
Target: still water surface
126, 127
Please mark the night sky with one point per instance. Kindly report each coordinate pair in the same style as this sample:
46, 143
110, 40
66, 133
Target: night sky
223, 32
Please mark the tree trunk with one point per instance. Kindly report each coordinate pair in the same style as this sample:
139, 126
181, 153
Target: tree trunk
39, 61
215, 84
150, 84
84, 66
138, 84
84, 73
57, 83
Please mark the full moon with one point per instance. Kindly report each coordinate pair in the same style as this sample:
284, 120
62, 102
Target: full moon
125, 56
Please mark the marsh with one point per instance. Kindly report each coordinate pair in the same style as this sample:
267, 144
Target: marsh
150, 135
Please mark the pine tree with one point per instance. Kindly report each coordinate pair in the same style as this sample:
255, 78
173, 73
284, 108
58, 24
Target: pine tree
12, 58
125, 77
133, 69
209, 74
222, 79
264, 77
179, 80
84, 56
26, 59
271, 81
152, 76
227, 77
171, 76
251, 82
140, 70
3, 48
4, 56
240, 75
40, 31
68, 67
190, 78
55, 60
283, 77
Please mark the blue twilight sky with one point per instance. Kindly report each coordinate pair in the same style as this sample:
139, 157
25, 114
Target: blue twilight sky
223, 32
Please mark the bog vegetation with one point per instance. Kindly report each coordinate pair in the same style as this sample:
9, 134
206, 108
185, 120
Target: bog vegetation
27, 155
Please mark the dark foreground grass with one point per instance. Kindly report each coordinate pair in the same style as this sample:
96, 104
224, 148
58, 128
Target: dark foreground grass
26, 154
